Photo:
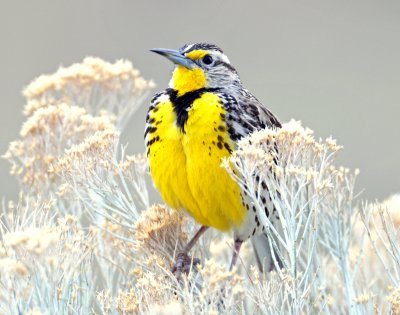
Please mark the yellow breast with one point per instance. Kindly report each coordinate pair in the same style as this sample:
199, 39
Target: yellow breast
185, 164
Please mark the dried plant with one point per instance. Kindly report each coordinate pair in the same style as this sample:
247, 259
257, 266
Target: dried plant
103, 183
83, 238
394, 299
95, 85
314, 202
161, 231
383, 251
44, 138
44, 267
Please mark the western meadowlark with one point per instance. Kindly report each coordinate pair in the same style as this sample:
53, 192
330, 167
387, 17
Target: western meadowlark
191, 126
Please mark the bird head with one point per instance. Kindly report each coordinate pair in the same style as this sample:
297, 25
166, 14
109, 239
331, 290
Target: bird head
199, 66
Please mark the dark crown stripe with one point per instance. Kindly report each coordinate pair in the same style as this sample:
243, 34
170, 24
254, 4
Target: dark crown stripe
182, 103
200, 46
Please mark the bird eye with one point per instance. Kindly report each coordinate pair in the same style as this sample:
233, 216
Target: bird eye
207, 60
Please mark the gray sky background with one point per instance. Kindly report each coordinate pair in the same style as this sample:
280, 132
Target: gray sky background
335, 65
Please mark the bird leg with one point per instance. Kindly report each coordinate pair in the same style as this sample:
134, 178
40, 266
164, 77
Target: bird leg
238, 244
183, 261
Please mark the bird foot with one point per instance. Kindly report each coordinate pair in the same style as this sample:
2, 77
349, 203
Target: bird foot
184, 263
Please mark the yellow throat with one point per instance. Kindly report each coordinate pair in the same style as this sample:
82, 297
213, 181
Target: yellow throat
186, 80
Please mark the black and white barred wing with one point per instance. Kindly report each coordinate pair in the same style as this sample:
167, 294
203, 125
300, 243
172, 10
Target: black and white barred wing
246, 114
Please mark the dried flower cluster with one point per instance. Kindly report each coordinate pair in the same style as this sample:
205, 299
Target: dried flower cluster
161, 231
84, 239
44, 138
95, 85
394, 299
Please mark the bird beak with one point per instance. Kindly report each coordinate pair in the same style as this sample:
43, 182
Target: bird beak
175, 56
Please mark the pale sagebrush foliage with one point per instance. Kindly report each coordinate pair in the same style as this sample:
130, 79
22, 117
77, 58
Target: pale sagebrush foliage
44, 137
382, 222
44, 263
317, 237
93, 84
59, 124
83, 238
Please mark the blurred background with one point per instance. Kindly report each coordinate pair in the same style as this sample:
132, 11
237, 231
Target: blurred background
334, 65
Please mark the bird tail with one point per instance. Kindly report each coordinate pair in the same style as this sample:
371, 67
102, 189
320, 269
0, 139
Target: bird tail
263, 253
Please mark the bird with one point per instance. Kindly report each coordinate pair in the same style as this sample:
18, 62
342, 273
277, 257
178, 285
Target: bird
190, 127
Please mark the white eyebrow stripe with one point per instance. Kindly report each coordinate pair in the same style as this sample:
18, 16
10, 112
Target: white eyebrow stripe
221, 56
188, 48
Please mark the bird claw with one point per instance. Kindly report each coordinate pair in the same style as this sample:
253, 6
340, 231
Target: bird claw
184, 264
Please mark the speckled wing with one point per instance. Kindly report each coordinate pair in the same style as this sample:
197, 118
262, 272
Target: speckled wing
246, 114
254, 108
